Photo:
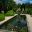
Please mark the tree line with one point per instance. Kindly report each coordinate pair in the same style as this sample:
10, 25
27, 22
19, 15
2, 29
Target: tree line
6, 5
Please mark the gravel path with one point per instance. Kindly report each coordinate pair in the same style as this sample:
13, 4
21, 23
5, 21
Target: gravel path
6, 31
7, 18
29, 23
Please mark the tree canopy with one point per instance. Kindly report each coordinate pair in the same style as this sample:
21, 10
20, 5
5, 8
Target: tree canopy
7, 5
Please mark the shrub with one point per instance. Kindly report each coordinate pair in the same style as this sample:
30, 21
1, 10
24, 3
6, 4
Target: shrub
29, 11
24, 29
2, 17
10, 13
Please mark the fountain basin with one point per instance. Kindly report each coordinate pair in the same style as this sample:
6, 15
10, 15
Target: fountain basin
15, 24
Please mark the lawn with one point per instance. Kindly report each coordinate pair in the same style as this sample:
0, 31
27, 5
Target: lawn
2, 17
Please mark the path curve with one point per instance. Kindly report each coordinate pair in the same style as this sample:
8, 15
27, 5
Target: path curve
29, 22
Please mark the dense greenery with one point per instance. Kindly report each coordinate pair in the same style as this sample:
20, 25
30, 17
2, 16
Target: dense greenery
28, 11
10, 7
2, 17
10, 4
7, 5
10, 13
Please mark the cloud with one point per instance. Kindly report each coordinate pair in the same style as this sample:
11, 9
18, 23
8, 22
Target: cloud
30, 1
18, 1
23, 1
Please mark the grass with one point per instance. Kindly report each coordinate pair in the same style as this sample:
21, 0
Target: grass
10, 13
2, 17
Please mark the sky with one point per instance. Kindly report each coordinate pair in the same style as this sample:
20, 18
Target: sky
23, 1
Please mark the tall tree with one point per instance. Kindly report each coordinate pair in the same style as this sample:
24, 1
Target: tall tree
7, 5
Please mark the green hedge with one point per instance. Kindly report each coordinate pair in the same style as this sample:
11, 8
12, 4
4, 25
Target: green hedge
2, 17
10, 13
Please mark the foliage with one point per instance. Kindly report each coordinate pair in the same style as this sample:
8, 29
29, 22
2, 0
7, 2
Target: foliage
29, 11
10, 13
24, 29
7, 5
2, 17
19, 5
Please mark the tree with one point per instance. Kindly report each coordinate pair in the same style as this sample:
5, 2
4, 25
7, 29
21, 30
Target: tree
2, 5
10, 5
23, 6
7, 5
